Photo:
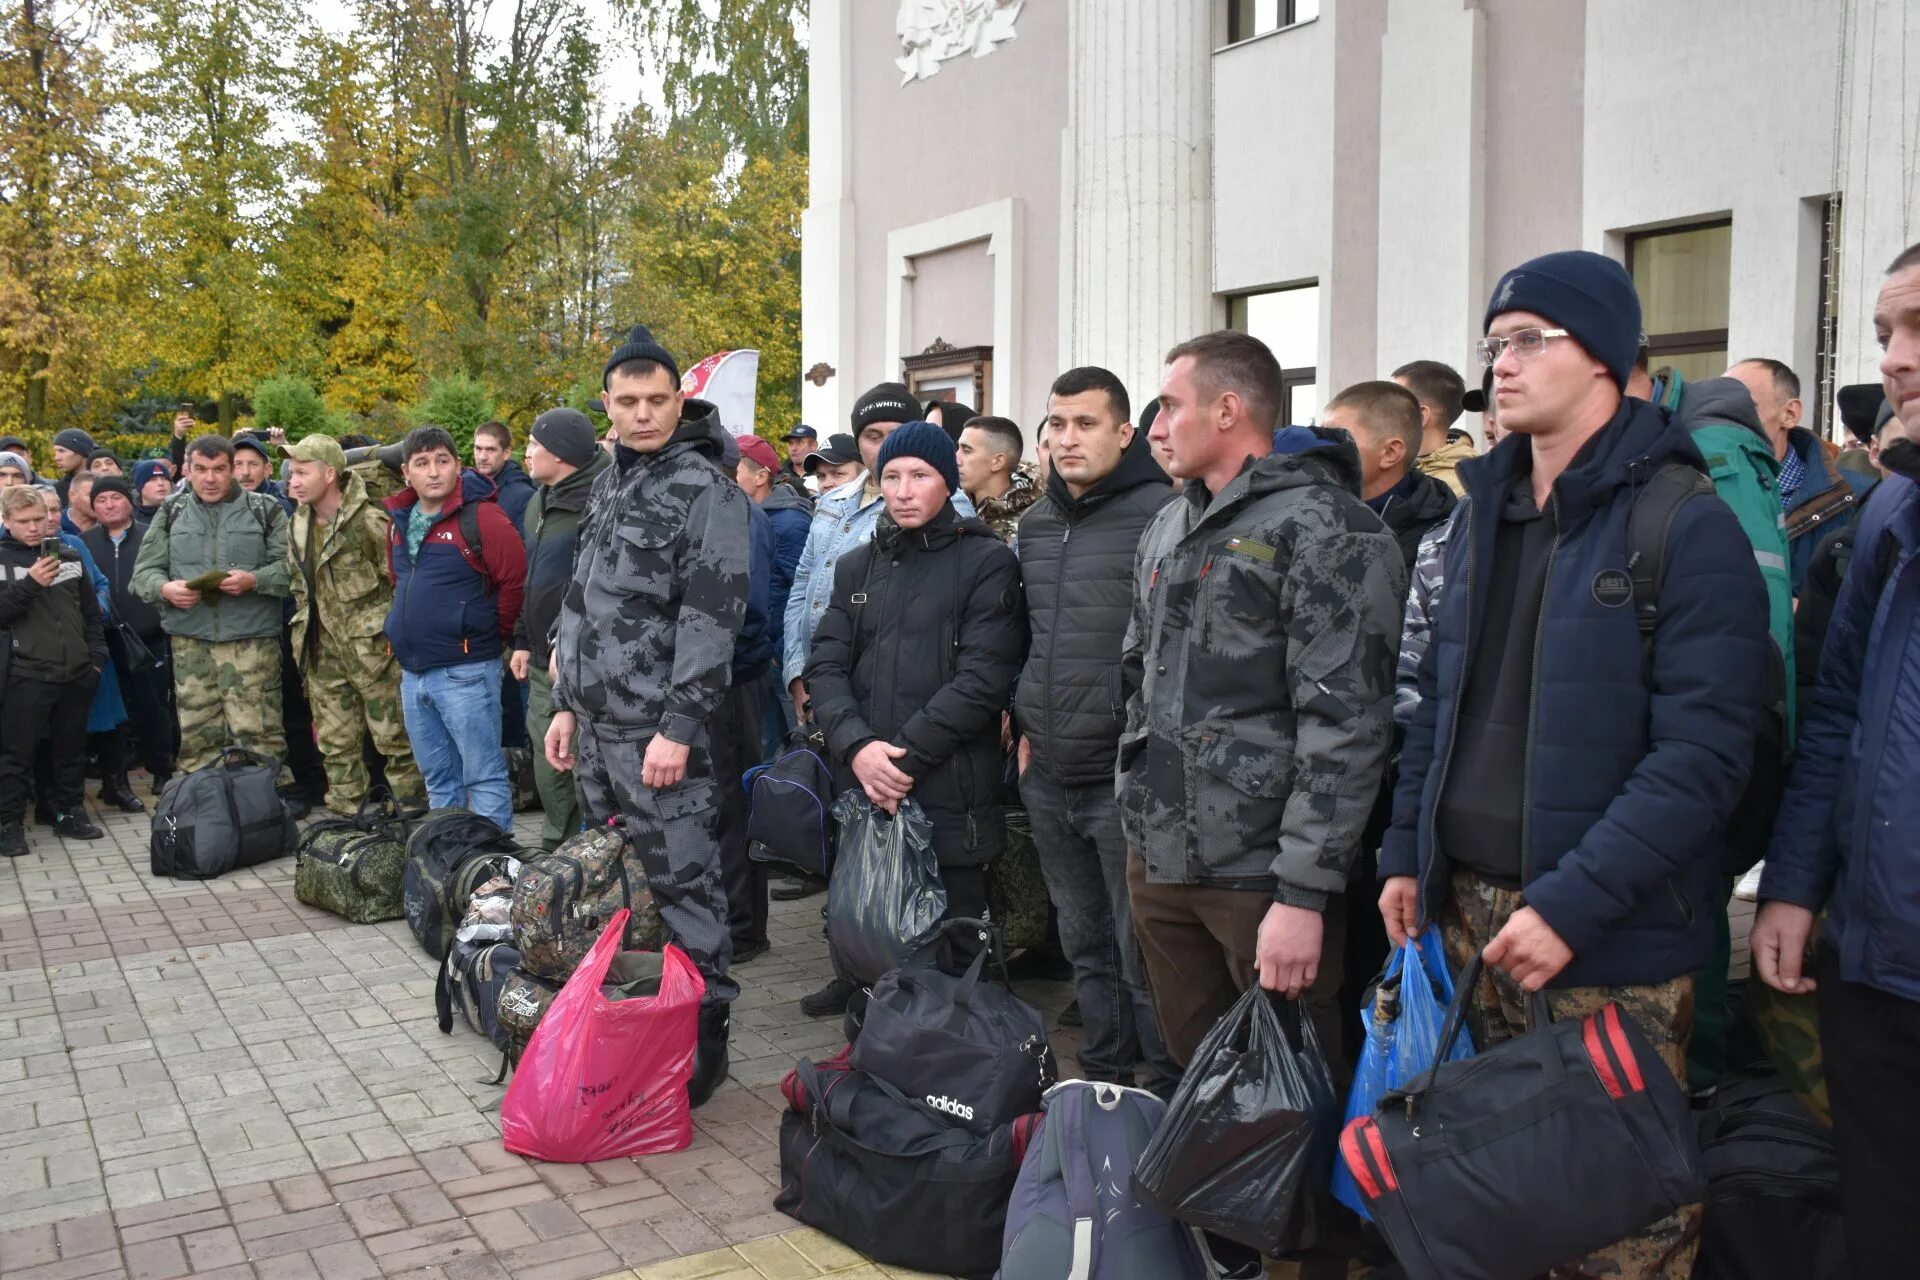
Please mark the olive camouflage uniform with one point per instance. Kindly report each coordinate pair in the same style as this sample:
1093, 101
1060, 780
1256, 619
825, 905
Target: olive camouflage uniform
645, 646
341, 597
1002, 514
226, 649
1476, 911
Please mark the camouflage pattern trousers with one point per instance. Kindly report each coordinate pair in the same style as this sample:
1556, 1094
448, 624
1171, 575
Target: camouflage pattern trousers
676, 833
1475, 912
353, 687
227, 693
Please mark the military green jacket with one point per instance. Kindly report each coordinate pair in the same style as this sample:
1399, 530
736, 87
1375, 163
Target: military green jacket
349, 592
188, 537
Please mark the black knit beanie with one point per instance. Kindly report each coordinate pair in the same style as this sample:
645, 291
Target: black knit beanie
639, 346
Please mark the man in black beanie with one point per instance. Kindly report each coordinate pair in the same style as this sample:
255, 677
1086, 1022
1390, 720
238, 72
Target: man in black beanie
644, 656
1565, 784
71, 449
564, 459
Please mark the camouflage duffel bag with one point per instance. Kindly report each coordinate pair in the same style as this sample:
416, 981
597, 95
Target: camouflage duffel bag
520, 776
1016, 892
524, 1000
565, 899
353, 866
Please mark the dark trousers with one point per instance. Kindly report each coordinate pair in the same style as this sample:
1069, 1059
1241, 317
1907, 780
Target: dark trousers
303, 760
62, 709
1870, 1041
149, 698
513, 710
735, 733
1083, 857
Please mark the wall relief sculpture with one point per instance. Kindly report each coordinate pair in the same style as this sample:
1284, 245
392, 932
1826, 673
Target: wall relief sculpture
932, 31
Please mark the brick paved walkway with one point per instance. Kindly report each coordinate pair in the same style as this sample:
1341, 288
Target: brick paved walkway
214, 1080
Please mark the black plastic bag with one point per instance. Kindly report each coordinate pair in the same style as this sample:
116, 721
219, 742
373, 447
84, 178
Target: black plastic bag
885, 898
1246, 1150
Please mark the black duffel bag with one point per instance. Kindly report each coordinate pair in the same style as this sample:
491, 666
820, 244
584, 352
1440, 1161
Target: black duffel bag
887, 1177
1534, 1153
1773, 1189
219, 818
966, 1050
790, 809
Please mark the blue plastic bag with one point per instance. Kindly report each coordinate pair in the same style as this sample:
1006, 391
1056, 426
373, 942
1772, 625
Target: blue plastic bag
1402, 1023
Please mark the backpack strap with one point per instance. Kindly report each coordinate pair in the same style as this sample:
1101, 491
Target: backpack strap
1655, 507
1079, 1176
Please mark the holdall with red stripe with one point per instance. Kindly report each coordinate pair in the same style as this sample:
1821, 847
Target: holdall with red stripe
1534, 1153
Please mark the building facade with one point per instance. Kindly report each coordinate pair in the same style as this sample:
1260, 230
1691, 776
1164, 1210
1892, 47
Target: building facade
1005, 188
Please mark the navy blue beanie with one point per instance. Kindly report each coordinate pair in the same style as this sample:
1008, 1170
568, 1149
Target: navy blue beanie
926, 442
1587, 294
145, 471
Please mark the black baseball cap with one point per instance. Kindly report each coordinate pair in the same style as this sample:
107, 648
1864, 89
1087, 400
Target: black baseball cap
837, 451
1476, 398
803, 432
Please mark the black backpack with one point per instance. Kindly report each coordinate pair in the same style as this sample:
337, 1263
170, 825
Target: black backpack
451, 853
1773, 1189
790, 813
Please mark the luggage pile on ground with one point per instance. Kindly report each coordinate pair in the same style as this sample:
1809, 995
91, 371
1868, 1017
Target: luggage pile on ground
475, 972
220, 818
451, 853
907, 1144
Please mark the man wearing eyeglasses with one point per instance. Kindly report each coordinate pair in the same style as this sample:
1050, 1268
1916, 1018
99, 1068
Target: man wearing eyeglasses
1563, 786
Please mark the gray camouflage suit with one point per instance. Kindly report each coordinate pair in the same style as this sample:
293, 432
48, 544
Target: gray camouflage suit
1259, 672
645, 645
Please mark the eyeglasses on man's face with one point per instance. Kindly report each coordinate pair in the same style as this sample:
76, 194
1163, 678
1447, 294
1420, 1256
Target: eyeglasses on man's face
1526, 343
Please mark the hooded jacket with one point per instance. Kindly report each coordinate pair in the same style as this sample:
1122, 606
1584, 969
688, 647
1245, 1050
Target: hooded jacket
453, 603
1443, 464
1076, 564
1411, 516
1827, 498
188, 537
1259, 670
659, 589
56, 630
920, 648
1844, 836
340, 586
513, 489
1632, 764
552, 526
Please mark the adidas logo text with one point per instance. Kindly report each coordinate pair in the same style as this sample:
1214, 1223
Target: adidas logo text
951, 1107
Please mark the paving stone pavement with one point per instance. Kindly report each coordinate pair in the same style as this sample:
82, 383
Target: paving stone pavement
211, 1079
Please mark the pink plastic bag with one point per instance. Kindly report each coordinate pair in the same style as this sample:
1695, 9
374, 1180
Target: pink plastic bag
603, 1078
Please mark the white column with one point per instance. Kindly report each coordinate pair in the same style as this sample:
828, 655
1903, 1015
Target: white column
1138, 111
826, 227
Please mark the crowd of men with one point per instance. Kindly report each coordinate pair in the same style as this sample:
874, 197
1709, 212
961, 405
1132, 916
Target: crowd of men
1246, 678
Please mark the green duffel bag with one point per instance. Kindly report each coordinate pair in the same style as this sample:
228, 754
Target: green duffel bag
353, 866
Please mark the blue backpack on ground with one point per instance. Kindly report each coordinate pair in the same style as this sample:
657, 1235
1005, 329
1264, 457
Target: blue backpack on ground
1073, 1213
790, 810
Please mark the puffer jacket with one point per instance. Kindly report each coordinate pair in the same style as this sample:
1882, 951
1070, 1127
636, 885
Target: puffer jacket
348, 593
1844, 838
189, 537
1633, 765
116, 560
552, 533
453, 603
1412, 515
920, 648
843, 519
56, 630
1076, 564
1259, 670
659, 587
1827, 499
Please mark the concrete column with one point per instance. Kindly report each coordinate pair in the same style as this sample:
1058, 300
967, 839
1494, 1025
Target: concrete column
1139, 155
827, 310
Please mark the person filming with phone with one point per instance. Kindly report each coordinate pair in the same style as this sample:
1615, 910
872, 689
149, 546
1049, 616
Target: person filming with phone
54, 660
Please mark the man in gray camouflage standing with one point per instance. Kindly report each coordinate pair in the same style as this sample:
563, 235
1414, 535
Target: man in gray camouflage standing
644, 652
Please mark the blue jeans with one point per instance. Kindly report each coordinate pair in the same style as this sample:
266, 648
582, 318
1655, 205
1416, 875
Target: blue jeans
1083, 857
453, 718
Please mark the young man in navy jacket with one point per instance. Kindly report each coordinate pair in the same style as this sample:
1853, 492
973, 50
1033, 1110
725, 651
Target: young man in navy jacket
1845, 836
454, 604
1563, 791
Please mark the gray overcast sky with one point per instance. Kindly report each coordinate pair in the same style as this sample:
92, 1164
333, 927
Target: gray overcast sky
620, 85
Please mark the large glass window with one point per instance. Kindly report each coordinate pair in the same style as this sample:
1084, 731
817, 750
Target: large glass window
1288, 321
1683, 277
1249, 18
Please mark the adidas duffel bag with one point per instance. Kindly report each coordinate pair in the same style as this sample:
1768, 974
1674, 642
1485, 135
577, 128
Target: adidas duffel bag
1534, 1153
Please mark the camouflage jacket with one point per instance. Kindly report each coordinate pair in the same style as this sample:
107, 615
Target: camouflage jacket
1423, 598
1002, 514
646, 632
188, 538
1258, 667
341, 584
